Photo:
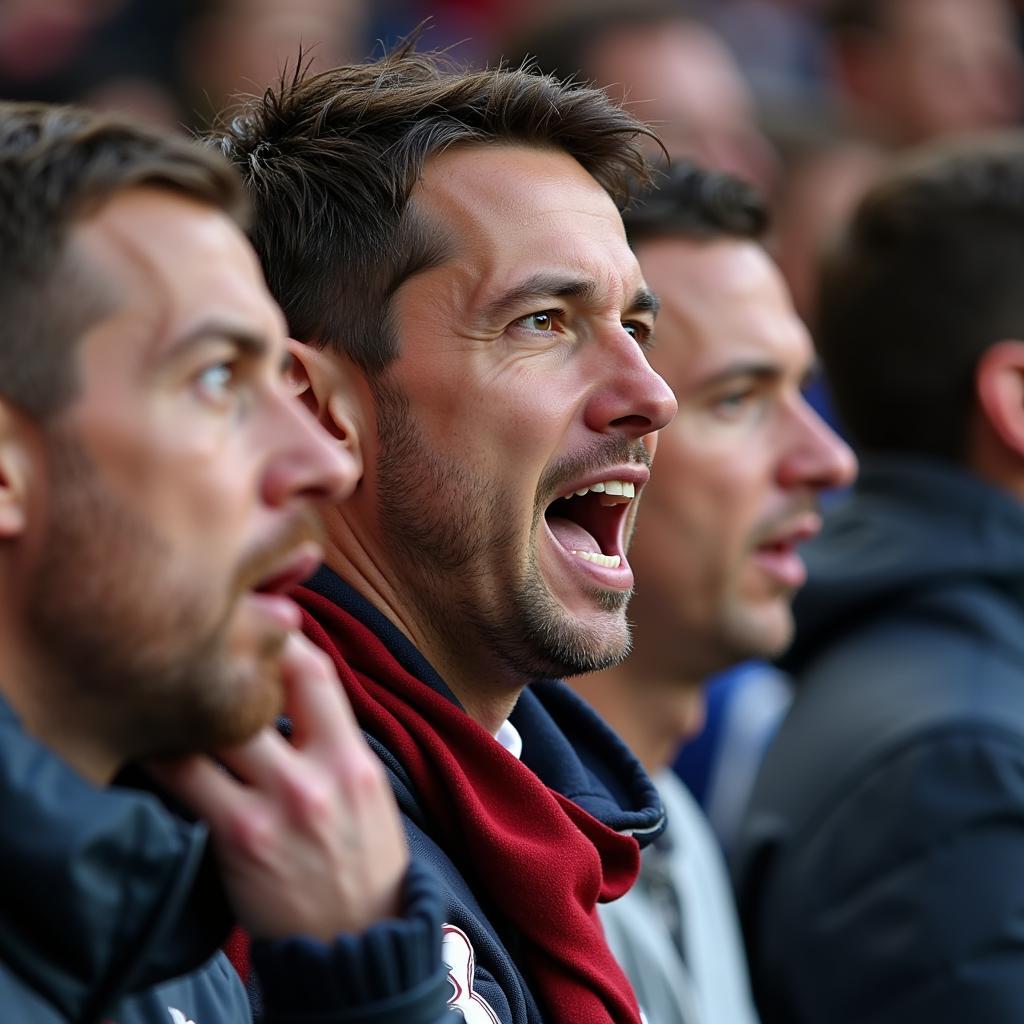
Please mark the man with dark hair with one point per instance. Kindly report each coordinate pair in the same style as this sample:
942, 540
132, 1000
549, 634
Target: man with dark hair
879, 872
157, 483
912, 70
715, 557
447, 243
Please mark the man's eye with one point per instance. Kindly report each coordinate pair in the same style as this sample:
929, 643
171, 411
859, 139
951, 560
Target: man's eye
734, 401
643, 333
215, 382
544, 321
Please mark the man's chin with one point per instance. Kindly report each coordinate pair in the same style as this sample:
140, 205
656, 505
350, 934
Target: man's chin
764, 633
243, 696
567, 644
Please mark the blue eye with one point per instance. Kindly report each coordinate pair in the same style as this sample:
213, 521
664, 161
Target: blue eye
643, 333
215, 381
735, 402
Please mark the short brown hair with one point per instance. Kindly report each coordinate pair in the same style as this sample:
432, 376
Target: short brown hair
57, 166
330, 161
926, 279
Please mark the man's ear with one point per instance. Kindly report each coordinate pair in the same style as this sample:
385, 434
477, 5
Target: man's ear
334, 390
999, 385
15, 472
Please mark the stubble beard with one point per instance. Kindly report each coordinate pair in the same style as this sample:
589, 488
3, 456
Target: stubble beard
449, 529
135, 654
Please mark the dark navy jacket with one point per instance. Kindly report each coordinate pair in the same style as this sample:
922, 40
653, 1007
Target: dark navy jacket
112, 912
571, 749
880, 871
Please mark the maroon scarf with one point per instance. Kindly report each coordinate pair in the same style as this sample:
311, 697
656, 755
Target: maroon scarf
541, 859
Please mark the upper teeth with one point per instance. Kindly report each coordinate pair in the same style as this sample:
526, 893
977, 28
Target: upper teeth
608, 561
623, 487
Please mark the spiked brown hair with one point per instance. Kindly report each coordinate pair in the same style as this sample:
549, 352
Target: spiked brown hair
330, 161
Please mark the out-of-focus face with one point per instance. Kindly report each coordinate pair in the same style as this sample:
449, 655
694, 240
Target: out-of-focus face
679, 77
239, 47
513, 423
177, 507
740, 468
948, 66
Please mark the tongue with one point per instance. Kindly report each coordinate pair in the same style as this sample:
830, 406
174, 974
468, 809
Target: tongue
572, 536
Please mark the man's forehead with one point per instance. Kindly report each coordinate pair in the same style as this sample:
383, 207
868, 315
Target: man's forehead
516, 215
511, 183
168, 261
718, 264
723, 301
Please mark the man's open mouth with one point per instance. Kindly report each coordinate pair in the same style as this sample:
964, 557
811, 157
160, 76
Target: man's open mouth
590, 521
278, 576
289, 569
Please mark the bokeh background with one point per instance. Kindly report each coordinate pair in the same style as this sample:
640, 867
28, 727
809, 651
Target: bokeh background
806, 98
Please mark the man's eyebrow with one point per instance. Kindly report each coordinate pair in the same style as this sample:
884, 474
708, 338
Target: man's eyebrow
755, 370
248, 341
644, 301
537, 286
544, 286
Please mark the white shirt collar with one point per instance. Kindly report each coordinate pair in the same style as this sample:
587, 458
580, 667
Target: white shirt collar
508, 736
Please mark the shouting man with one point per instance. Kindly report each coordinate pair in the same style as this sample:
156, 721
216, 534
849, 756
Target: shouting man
447, 245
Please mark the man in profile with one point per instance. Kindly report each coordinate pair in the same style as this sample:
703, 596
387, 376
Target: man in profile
447, 245
157, 490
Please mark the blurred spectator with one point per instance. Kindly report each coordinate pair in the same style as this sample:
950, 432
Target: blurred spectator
903, 71
732, 495
912, 70
108, 54
668, 68
878, 870
242, 46
175, 62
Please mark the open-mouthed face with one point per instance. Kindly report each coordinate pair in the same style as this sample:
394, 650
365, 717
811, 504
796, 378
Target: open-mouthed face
177, 509
514, 425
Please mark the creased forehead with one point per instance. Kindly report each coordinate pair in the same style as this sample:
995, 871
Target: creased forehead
515, 183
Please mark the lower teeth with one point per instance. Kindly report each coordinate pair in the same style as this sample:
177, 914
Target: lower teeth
608, 561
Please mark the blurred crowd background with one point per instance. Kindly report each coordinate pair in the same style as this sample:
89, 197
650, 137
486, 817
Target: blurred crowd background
805, 98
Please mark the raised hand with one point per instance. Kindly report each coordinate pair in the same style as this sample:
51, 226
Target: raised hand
307, 832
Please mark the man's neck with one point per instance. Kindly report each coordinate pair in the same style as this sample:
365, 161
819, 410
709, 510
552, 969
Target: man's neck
46, 712
652, 713
486, 690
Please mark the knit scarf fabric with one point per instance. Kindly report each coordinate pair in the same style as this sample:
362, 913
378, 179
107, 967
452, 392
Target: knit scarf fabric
527, 850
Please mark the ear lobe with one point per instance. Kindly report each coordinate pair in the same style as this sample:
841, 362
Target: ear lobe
15, 462
999, 384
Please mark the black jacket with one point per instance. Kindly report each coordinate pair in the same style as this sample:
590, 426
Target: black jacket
880, 870
112, 912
